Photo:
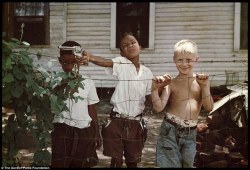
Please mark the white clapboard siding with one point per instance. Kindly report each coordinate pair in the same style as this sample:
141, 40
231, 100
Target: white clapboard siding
93, 18
209, 24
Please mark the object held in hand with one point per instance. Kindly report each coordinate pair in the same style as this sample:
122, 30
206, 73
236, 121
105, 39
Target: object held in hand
77, 51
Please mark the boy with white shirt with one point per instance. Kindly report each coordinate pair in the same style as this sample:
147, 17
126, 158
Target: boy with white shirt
76, 136
124, 135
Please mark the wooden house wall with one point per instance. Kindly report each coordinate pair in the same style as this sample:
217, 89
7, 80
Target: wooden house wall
210, 25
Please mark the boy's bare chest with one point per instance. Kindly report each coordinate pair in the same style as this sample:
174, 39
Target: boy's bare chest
183, 89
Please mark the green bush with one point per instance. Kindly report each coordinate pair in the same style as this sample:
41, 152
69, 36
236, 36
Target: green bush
30, 91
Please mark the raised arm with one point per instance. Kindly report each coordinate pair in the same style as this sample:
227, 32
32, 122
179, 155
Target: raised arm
207, 100
100, 61
159, 101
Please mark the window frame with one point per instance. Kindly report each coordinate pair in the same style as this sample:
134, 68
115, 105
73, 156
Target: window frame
237, 27
9, 21
151, 38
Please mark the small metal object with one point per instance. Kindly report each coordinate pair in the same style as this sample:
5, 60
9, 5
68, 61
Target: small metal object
77, 51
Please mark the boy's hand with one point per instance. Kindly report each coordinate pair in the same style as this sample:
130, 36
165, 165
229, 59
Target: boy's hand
201, 127
161, 81
84, 59
202, 79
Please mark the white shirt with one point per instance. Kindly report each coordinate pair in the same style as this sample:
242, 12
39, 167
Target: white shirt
78, 116
132, 87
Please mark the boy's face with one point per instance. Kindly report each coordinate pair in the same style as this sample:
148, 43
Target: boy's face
185, 62
130, 47
68, 62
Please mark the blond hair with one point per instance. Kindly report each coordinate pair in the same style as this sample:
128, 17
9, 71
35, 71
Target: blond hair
187, 46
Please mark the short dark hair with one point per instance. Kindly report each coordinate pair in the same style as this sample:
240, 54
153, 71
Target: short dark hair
69, 44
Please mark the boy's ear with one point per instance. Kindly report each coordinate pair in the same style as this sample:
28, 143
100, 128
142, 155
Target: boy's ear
174, 58
197, 58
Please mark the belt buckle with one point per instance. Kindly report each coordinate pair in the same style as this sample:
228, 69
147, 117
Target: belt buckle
118, 115
183, 131
123, 116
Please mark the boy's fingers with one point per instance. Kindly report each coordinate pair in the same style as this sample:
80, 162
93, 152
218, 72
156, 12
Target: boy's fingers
167, 76
202, 76
84, 53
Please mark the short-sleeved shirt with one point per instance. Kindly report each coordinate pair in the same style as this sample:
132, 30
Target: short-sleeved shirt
78, 115
132, 86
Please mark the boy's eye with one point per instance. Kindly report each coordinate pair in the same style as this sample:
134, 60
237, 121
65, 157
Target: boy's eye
64, 63
180, 61
125, 46
184, 61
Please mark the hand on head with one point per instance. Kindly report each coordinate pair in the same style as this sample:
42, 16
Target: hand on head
83, 58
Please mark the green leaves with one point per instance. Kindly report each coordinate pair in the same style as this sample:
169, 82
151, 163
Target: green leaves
16, 92
7, 65
31, 91
8, 78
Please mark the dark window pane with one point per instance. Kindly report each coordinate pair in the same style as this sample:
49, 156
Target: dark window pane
33, 16
33, 31
133, 17
244, 26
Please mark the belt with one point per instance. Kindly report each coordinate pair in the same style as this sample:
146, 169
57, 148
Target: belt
179, 127
123, 116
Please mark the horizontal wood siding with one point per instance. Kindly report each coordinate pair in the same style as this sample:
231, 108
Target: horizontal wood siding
89, 25
210, 25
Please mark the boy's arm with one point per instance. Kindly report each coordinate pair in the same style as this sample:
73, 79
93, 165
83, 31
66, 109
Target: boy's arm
159, 101
93, 115
100, 61
148, 101
207, 100
160, 87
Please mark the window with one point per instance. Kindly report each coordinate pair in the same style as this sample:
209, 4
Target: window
133, 17
244, 26
241, 26
34, 16
137, 18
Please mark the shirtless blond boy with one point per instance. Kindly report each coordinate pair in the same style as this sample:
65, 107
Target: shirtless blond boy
184, 97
